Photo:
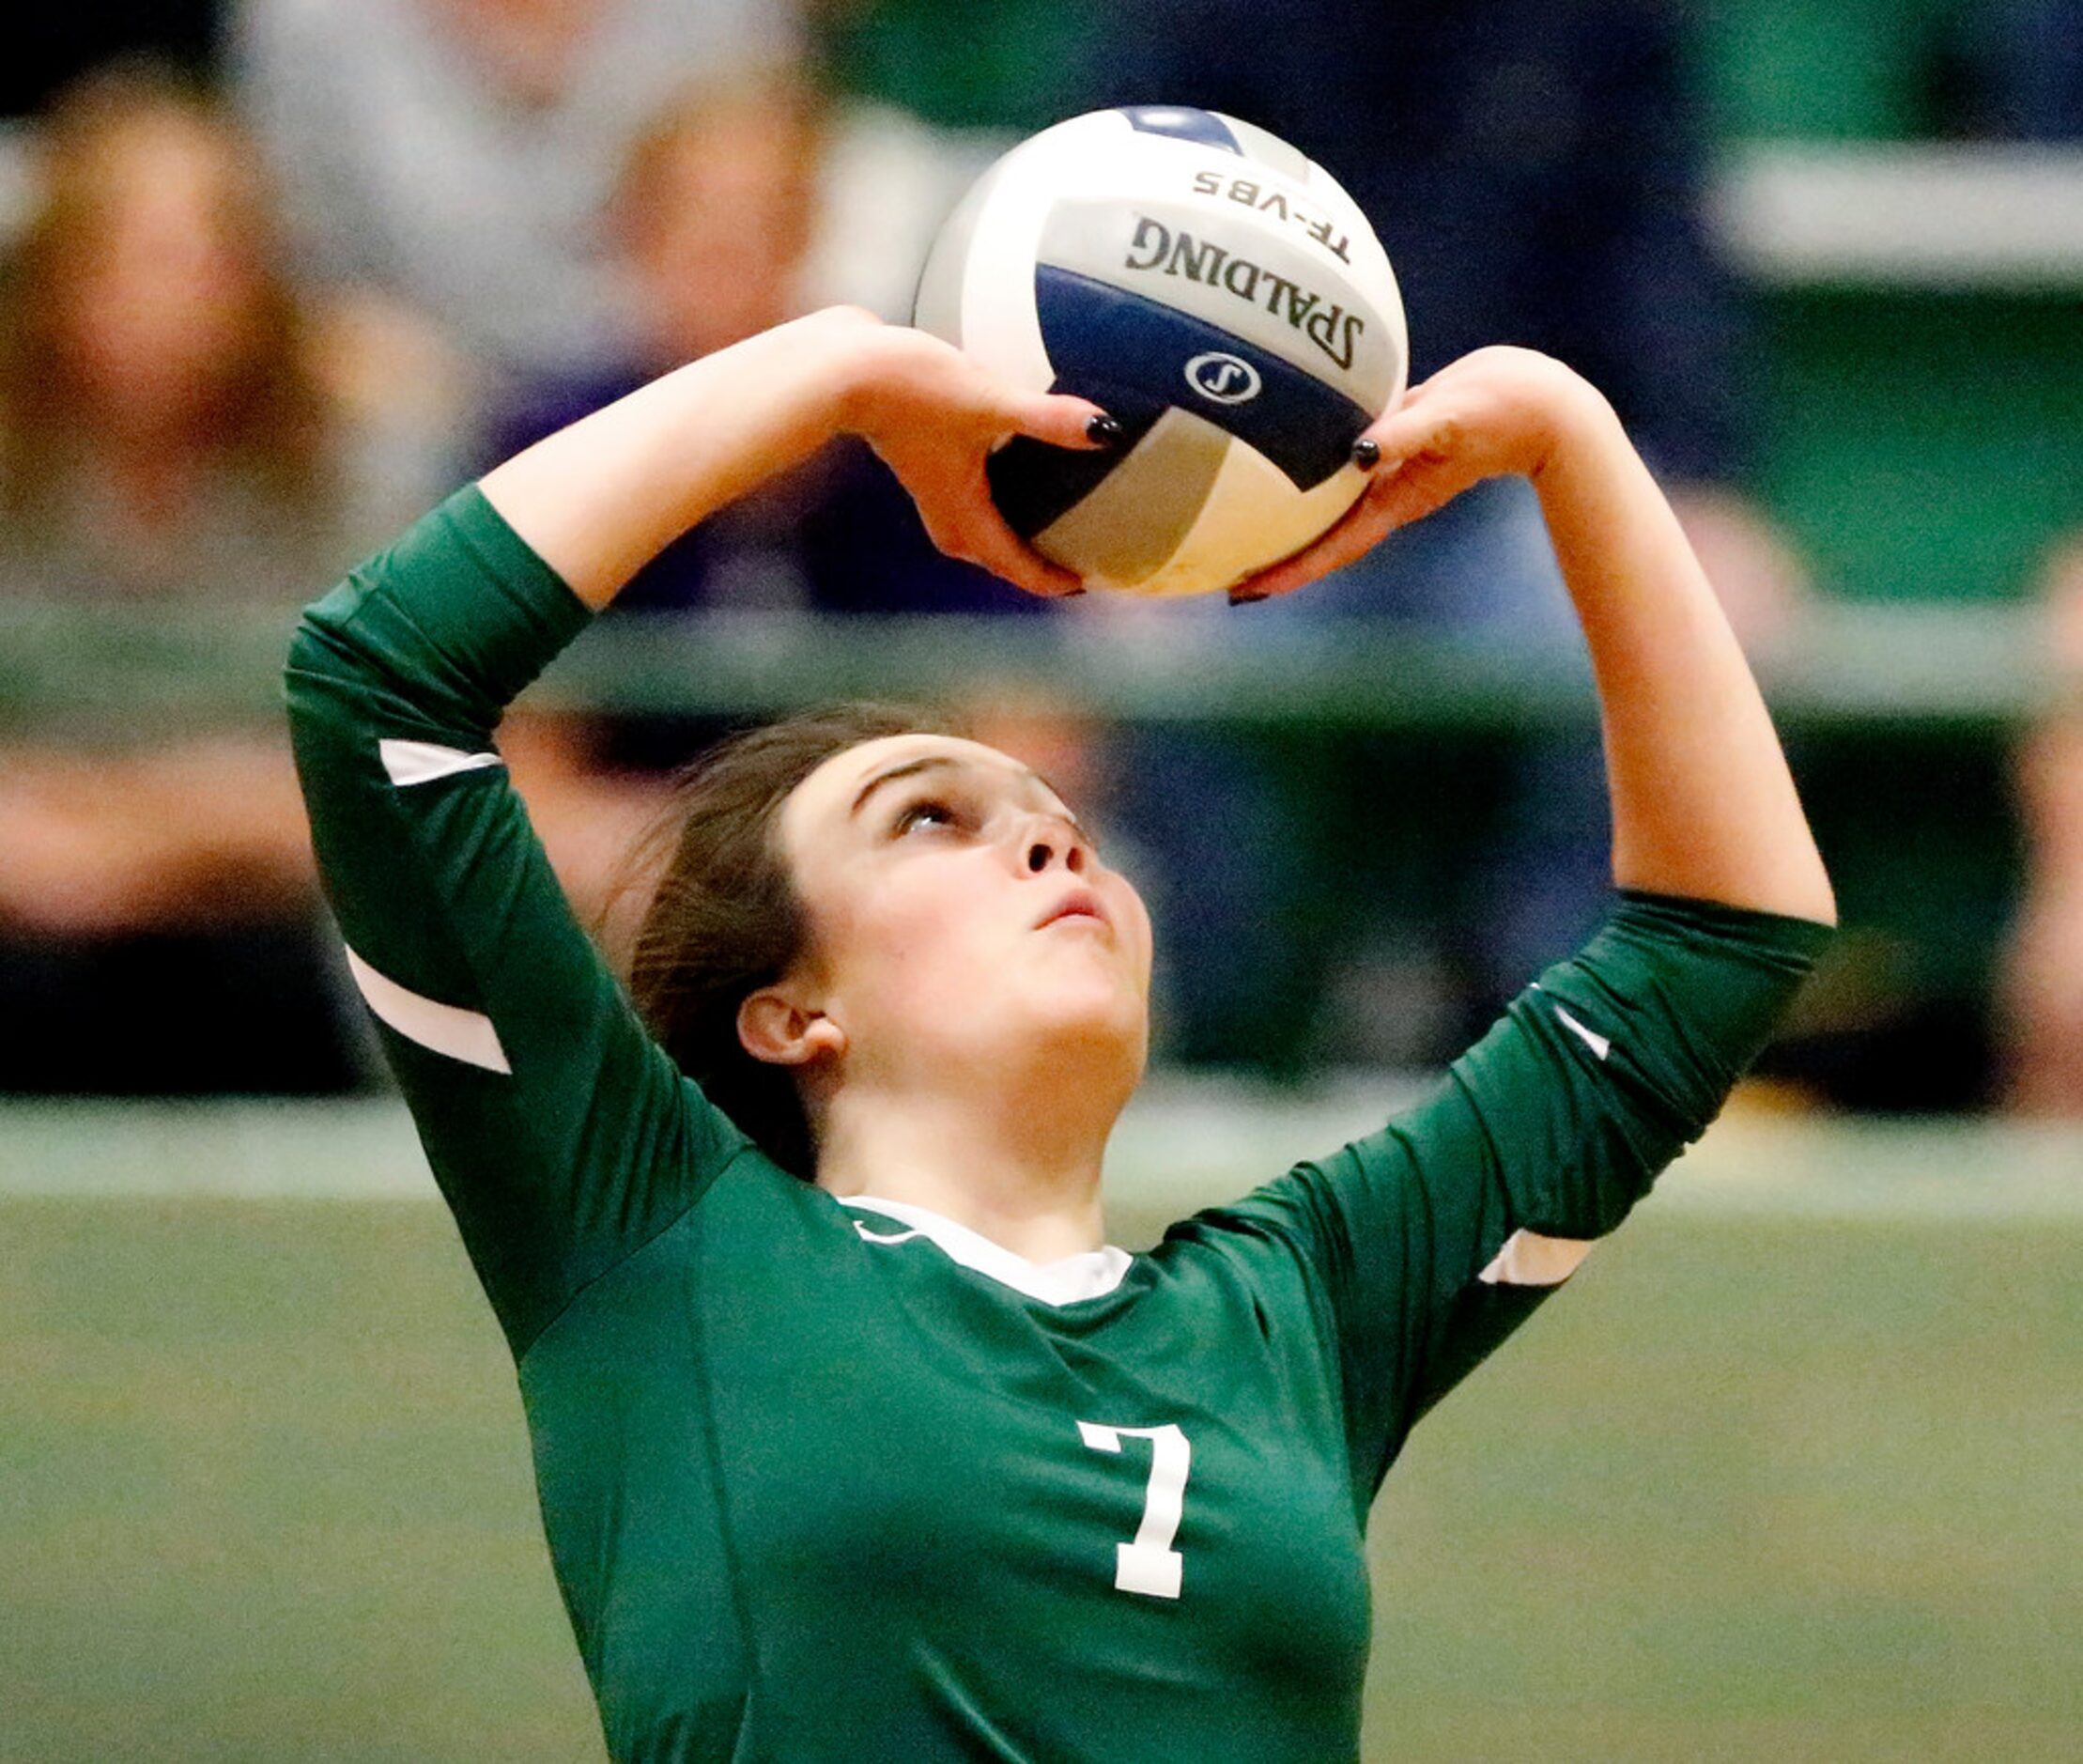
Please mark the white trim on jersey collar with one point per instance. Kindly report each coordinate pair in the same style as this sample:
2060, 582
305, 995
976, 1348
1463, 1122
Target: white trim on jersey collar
1089, 1273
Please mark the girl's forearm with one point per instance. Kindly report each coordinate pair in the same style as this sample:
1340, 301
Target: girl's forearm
600, 499
1703, 802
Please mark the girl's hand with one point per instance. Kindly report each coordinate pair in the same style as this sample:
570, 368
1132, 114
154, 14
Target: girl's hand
1496, 412
935, 415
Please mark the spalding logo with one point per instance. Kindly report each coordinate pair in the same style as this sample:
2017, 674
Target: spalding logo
1222, 379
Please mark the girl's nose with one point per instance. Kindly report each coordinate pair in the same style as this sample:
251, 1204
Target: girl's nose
1052, 842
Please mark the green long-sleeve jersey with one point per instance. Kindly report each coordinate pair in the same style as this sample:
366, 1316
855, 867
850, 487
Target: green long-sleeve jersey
827, 1479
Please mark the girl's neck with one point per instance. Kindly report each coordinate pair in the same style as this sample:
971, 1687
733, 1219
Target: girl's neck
1022, 1171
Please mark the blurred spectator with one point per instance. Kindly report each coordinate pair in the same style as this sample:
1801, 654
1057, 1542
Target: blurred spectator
715, 219
2040, 985
172, 420
174, 433
456, 154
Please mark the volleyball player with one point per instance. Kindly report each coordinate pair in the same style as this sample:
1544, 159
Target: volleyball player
853, 1438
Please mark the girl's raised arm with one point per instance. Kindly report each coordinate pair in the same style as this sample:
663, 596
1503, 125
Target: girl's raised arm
1435, 1238
598, 500
1702, 803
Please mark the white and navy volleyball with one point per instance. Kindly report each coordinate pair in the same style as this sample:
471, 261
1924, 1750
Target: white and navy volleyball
1212, 288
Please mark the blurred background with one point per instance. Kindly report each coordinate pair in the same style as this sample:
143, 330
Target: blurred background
1792, 1467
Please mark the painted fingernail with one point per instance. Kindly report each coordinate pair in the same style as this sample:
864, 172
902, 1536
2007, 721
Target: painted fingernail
1102, 429
1366, 452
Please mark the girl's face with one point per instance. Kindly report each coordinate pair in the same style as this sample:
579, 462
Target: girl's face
959, 916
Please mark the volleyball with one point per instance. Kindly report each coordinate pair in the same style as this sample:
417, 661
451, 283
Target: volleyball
1219, 294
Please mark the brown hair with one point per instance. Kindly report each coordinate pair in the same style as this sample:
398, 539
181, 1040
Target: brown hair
724, 918
270, 416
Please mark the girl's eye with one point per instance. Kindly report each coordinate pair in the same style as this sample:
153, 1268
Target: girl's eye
929, 811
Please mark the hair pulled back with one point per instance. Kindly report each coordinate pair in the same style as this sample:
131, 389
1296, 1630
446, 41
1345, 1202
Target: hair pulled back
725, 920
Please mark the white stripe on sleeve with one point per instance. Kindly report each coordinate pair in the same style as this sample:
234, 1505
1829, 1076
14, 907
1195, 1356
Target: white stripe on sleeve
1600, 1046
1528, 1259
421, 762
447, 1028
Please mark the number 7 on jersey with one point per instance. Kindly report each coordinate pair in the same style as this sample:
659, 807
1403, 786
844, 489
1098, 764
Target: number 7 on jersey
1149, 1564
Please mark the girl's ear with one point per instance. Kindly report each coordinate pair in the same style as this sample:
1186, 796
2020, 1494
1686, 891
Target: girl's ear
782, 1032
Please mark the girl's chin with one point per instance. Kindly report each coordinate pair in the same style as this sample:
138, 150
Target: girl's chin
1097, 1023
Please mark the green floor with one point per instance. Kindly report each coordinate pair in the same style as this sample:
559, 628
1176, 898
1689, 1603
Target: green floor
1753, 1488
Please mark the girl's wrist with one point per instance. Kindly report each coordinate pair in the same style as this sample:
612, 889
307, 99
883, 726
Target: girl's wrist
864, 357
1577, 423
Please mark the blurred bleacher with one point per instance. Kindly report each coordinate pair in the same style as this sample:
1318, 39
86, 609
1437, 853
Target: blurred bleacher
1919, 367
